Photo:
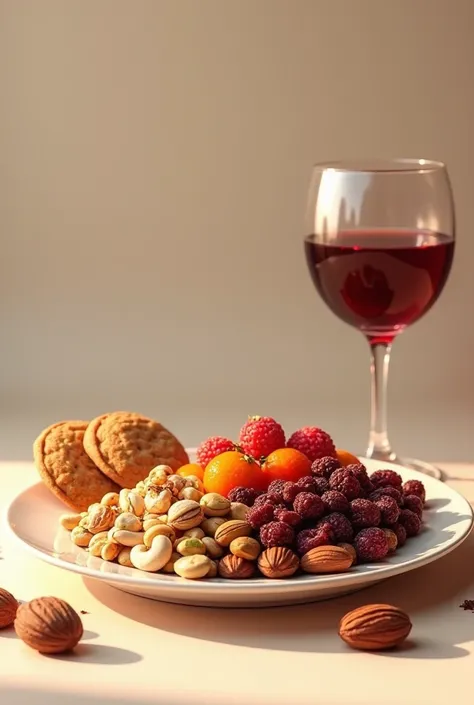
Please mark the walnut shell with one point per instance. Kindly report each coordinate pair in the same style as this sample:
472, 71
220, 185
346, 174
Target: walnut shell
326, 559
278, 562
375, 627
48, 625
235, 568
8, 608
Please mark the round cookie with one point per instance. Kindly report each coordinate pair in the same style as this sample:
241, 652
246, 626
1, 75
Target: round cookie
126, 446
65, 467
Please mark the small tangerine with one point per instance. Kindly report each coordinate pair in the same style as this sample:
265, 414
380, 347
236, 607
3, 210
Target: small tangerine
233, 469
286, 464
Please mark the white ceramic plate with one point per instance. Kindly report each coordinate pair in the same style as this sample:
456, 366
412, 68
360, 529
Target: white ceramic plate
33, 519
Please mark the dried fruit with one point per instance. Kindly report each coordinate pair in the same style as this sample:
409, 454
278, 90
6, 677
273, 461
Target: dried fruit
346, 458
212, 447
235, 568
313, 442
307, 539
371, 544
375, 627
260, 514
276, 533
326, 559
233, 469
288, 517
290, 492
414, 504
324, 467
401, 534
340, 525
389, 509
414, 487
278, 562
392, 540
386, 478
410, 521
364, 513
244, 495
387, 492
260, 436
322, 485
346, 483
308, 506
8, 608
48, 625
307, 484
335, 501
360, 473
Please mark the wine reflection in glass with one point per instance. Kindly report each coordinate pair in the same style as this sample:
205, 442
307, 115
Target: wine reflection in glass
379, 247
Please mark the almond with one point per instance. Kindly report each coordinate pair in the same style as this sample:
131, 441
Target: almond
375, 627
230, 530
235, 568
278, 562
326, 559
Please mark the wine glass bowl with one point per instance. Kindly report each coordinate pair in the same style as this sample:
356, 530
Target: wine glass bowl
379, 246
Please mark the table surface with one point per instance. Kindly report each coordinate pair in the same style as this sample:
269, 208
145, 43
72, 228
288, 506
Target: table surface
158, 653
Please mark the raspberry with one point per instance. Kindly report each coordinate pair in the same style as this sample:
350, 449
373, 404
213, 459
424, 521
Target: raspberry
245, 495
260, 436
324, 467
400, 533
260, 514
213, 446
392, 540
415, 487
364, 513
269, 498
312, 538
414, 504
386, 478
322, 485
307, 484
276, 486
341, 526
334, 501
387, 492
312, 442
290, 490
389, 509
360, 473
345, 482
288, 517
276, 533
308, 505
410, 521
371, 544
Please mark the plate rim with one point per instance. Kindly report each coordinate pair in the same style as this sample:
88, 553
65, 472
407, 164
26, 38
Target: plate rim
228, 588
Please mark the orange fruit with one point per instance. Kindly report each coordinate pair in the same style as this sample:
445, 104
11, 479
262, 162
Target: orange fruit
233, 469
286, 464
346, 458
191, 469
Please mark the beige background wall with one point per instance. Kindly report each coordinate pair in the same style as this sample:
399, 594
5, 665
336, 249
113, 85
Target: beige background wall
154, 161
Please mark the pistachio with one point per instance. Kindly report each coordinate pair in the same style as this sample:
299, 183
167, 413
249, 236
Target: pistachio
124, 557
159, 475
188, 546
210, 526
213, 549
185, 514
231, 530
70, 521
175, 483
239, 511
215, 505
109, 551
192, 567
194, 481
196, 533
101, 518
111, 499
97, 542
81, 536
128, 521
169, 567
190, 493
131, 501
157, 500
245, 547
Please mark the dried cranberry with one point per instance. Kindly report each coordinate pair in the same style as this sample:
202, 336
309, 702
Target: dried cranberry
260, 514
360, 472
386, 478
307, 484
288, 517
276, 533
276, 487
389, 509
312, 538
415, 487
290, 490
371, 544
345, 482
387, 492
245, 495
308, 506
414, 504
364, 513
410, 521
334, 501
341, 526
324, 467
401, 534
322, 485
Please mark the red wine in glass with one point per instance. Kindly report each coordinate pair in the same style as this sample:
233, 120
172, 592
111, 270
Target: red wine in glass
380, 281
379, 247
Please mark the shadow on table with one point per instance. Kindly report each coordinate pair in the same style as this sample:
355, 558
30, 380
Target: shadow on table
313, 627
11, 695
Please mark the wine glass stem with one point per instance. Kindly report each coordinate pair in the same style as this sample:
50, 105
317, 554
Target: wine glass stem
379, 445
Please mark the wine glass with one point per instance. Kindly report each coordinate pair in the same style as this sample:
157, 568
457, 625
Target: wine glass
379, 247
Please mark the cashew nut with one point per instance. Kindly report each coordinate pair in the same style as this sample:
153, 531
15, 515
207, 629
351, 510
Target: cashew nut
158, 502
70, 521
109, 551
125, 538
123, 557
128, 521
111, 499
97, 542
159, 529
148, 523
153, 558
131, 501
